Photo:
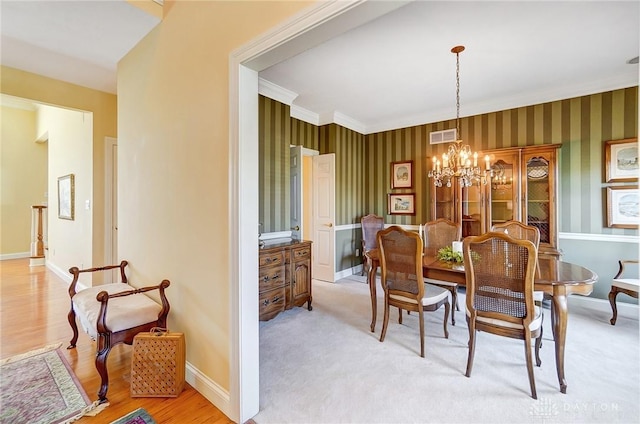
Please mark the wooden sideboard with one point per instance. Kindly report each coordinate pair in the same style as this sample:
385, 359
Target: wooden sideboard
285, 277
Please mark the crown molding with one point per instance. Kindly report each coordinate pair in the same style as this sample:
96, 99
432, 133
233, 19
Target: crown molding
275, 92
348, 122
305, 115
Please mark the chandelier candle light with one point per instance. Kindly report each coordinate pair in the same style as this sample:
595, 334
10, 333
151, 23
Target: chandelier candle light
457, 162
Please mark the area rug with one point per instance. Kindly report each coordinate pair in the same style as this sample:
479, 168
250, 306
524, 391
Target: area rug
139, 416
39, 387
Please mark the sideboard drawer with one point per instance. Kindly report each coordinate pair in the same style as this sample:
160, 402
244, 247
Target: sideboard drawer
271, 278
271, 303
271, 258
301, 253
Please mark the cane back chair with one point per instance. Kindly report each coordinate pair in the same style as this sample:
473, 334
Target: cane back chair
438, 234
404, 287
500, 272
371, 224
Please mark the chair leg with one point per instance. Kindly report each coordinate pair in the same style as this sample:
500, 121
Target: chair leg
421, 317
472, 347
527, 348
454, 302
539, 343
447, 309
102, 354
385, 320
365, 266
400, 315
612, 300
71, 316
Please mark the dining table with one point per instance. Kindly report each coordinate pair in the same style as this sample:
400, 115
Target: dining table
556, 278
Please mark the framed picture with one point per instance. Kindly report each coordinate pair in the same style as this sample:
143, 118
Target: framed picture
66, 197
621, 160
622, 207
402, 174
402, 204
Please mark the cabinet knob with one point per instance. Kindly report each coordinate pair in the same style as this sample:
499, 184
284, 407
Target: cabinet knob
275, 299
266, 302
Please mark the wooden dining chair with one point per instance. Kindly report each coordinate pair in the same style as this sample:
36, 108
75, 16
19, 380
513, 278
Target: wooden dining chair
622, 284
500, 272
371, 224
438, 234
404, 287
519, 230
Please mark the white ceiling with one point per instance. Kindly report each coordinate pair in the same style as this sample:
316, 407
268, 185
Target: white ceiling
393, 72
77, 41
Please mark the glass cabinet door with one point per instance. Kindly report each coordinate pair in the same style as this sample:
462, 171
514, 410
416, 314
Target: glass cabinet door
504, 189
473, 213
537, 205
443, 201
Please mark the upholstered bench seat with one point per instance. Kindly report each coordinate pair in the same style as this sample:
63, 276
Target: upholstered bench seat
119, 316
113, 313
627, 283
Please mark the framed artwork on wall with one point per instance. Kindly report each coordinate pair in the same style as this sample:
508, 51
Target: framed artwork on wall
621, 160
402, 204
622, 207
402, 174
66, 197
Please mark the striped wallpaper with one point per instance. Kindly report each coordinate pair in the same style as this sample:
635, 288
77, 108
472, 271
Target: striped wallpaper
581, 125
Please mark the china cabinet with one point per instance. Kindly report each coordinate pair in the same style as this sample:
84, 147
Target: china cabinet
523, 187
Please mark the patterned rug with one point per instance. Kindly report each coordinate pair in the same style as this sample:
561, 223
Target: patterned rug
39, 387
139, 416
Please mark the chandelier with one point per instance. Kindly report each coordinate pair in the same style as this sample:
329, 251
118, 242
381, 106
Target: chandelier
459, 161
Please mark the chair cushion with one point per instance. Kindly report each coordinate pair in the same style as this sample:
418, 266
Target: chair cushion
538, 296
432, 295
440, 282
535, 324
627, 283
122, 312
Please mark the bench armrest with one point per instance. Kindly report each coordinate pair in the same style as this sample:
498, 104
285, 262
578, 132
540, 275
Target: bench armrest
75, 271
621, 269
103, 297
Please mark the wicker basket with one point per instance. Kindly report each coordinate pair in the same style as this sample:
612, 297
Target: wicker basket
157, 364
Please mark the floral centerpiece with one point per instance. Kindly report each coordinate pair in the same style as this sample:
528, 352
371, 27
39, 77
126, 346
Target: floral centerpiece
448, 254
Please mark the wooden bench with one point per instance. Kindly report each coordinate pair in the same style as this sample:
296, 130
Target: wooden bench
113, 313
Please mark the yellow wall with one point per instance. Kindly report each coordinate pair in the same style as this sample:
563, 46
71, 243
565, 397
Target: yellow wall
70, 150
103, 106
23, 178
173, 161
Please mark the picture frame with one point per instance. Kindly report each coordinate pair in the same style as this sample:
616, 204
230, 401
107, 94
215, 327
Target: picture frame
66, 197
402, 203
402, 174
622, 207
621, 160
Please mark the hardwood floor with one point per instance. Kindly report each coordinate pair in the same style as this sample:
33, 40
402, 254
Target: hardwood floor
34, 304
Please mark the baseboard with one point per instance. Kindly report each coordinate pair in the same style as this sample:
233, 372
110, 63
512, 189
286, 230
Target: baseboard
626, 310
347, 272
18, 255
209, 389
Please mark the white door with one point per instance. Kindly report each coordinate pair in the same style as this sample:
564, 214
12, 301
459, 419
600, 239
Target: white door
324, 176
295, 182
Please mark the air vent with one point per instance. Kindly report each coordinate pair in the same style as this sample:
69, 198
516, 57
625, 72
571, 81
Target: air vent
444, 136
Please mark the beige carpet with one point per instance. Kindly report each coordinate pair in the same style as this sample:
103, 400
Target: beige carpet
325, 366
